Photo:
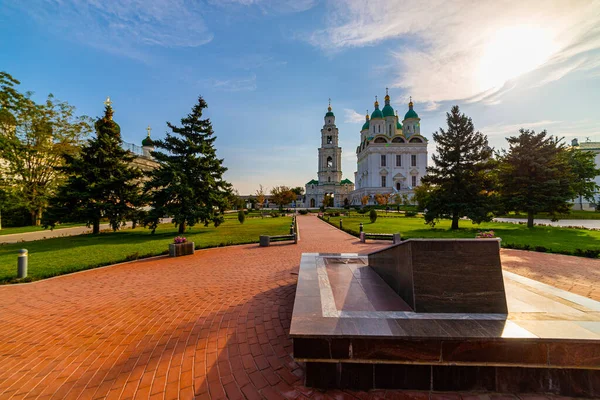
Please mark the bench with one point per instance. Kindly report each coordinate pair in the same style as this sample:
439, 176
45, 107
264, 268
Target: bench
394, 237
265, 240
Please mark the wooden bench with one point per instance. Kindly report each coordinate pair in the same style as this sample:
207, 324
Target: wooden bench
265, 240
394, 237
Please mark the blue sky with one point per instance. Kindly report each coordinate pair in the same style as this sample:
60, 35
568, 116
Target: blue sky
266, 68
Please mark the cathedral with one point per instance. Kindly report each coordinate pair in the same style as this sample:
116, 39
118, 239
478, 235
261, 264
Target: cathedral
391, 159
391, 156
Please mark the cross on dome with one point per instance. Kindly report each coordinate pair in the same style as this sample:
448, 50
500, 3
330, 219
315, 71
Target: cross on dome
107, 102
149, 130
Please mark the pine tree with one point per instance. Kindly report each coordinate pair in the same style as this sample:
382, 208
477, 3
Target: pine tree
188, 185
101, 181
460, 182
535, 175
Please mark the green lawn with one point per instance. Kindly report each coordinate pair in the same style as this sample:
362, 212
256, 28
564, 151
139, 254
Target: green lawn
559, 240
58, 256
27, 229
574, 214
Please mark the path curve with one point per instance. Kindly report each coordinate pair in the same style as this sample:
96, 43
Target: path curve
209, 326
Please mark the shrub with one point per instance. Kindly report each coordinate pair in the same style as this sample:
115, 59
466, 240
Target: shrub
373, 216
336, 214
362, 211
246, 212
410, 213
241, 216
303, 212
590, 253
274, 214
485, 234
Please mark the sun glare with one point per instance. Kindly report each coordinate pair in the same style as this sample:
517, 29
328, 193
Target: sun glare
511, 52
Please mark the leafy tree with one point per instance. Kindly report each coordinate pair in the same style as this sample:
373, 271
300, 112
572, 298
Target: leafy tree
282, 195
459, 184
364, 200
101, 183
188, 183
299, 190
373, 216
35, 149
383, 199
327, 201
584, 170
260, 197
535, 176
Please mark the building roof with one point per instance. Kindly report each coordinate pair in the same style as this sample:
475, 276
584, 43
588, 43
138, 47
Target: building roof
589, 146
411, 113
346, 181
313, 182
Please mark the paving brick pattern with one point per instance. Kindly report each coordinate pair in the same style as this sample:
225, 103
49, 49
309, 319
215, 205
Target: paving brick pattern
209, 326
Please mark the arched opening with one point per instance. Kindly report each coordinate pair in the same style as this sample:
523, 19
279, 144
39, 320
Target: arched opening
380, 140
312, 203
397, 185
415, 140
328, 179
398, 139
329, 162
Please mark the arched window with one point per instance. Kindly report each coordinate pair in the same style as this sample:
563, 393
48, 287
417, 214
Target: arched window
415, 140
329, 162
379, 128
390, 131
397, 185
380, 140
397, 139
329, 139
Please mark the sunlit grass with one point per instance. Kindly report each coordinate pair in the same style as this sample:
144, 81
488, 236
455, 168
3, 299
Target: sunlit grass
62, 255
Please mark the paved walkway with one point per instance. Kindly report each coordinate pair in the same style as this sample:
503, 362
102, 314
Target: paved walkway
210, 326
586, 223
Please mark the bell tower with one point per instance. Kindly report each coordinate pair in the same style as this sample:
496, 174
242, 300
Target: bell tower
330, 154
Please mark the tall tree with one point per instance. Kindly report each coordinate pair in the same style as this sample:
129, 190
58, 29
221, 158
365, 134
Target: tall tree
459, 184
260, 197
584, 171
535, 175
101, 182
34, 150
188, 184
282, 195
299, 190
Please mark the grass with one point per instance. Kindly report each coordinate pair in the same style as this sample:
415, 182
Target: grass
550, 239
574, 214
63, 255
27, 229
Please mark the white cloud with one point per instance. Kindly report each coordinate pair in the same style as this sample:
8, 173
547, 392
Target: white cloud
233, 85
505, 130
122, 26
351, 116
465, 50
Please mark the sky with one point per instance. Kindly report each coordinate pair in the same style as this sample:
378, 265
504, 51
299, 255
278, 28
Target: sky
268, 67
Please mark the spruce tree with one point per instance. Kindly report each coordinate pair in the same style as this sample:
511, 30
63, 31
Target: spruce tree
101, 183
535, 175
188, 185
460, 182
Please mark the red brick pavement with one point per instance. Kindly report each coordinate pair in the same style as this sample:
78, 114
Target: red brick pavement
213, 325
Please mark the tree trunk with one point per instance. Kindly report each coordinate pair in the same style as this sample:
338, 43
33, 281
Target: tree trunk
454, 221
96, 227
182, 227
530, 219
581, 203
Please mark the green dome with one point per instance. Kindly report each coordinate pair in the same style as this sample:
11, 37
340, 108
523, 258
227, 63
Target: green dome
147, 142
365, 126
329, 114
388, 111
377, 113
411, 113
398, 125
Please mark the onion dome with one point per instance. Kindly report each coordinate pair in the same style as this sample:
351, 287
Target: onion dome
388, 111
398, 124
147, 142
366, 124
377, 113
329, 112
411, 113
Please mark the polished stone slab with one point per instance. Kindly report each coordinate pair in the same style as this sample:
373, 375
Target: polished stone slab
347, 322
